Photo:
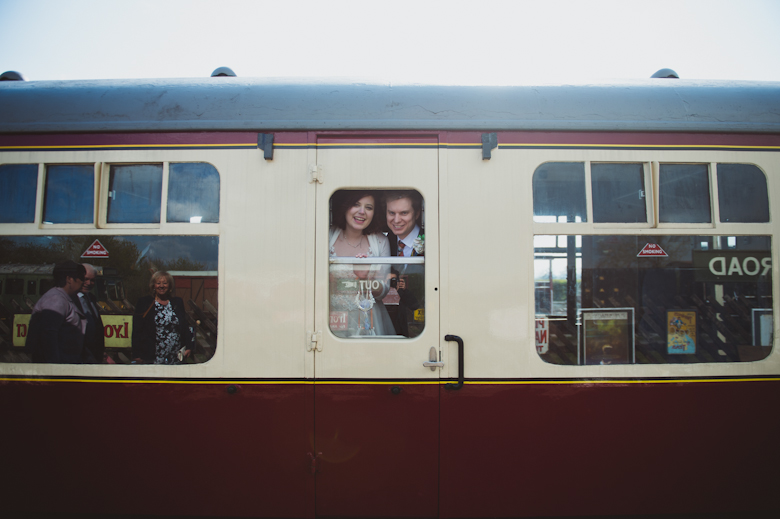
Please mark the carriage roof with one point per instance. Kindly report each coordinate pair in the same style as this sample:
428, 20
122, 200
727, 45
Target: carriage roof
249, 104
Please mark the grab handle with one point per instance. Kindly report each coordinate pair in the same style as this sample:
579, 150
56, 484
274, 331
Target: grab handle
460, 362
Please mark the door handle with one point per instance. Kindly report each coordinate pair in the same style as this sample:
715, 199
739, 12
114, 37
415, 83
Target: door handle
460, 362
432, 361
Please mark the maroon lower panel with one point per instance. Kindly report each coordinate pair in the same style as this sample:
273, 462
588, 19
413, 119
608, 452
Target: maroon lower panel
156, 448
379, 450
545, 450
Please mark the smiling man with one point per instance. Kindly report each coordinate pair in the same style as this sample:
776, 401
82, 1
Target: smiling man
407, 239
404, 211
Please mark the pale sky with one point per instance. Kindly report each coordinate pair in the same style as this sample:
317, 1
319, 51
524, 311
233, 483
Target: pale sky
444, 42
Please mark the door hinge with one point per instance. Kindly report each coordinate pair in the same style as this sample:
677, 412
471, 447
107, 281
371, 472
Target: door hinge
316, 173
315, 342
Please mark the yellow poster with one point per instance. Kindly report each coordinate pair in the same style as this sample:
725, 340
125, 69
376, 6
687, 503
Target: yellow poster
117, 329
681, 331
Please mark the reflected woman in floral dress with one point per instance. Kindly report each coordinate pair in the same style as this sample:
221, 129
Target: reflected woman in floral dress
161, 333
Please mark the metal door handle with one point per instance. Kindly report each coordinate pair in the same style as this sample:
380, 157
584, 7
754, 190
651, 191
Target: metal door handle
461, 377
432, 360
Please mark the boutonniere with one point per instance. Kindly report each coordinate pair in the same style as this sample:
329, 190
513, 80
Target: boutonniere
419, 244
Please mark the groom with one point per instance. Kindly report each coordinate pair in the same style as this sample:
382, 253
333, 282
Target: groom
404, 214
404, 211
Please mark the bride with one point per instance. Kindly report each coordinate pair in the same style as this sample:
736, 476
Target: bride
356, 291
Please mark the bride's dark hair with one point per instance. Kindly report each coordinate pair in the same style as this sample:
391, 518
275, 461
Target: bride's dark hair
342, 200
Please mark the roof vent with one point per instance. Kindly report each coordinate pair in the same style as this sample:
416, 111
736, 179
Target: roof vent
223, 72
11, 75
666, 72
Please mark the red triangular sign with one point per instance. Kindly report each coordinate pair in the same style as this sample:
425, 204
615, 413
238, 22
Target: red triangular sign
96, 250
652, 250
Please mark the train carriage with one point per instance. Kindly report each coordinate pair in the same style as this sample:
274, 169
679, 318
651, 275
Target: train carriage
595, 333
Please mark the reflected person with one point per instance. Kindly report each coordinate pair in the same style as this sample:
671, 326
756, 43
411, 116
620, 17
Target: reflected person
57, 325
161, 333
94, 337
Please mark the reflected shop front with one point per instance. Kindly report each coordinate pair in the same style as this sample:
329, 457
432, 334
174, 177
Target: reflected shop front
124, 266
653, 299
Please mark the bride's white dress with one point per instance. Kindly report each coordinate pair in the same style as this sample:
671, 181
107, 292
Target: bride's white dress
346, 296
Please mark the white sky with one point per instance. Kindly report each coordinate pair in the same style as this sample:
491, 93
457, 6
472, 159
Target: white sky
449, 42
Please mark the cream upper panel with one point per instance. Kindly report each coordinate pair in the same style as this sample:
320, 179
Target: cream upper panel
265, 251
488, 292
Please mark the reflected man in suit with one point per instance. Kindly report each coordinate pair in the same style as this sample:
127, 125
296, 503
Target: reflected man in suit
94, 338
404, 219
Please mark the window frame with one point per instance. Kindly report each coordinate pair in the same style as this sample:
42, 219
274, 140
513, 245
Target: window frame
651, 168
105, 178
40, 203
650, 203
392, 261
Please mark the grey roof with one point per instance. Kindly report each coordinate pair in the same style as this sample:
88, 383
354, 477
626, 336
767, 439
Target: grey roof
234, 103
17, 268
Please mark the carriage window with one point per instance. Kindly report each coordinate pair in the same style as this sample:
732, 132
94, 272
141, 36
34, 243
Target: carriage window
193, 193
618, 193
18, 183
134, 193
382, 294
14, 286
69, 195
559, 192
742, 194
684, 193
122, 293
620, 299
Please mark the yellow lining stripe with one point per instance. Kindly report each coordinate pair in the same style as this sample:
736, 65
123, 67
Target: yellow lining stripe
621, 381
155, 381
535, 145
399, 382
129, 146
664, 146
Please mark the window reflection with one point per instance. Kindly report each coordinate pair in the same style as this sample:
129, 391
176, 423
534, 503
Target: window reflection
684, 193
26, 266
18, 183
134, 193
618, 193
692, 298
69, 195
559, 192
193, 193
742, 194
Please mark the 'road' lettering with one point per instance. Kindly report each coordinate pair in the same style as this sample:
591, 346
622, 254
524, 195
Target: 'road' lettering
750, 266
